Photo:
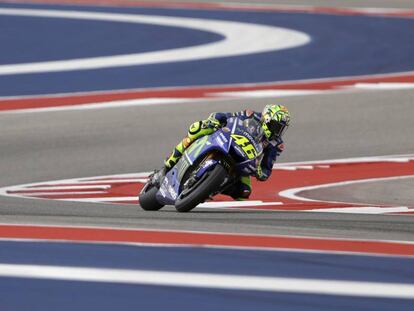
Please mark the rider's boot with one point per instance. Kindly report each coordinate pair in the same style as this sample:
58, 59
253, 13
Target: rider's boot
241, 190
158, 176
171, 160
177, 153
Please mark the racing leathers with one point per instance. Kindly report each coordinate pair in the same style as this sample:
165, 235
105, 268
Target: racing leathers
271, 149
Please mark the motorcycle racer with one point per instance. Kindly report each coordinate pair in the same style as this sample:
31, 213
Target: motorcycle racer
274, 120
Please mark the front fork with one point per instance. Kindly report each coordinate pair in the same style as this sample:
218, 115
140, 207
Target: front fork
210, 161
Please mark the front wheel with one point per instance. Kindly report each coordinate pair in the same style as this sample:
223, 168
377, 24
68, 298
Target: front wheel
148, 200
202, 189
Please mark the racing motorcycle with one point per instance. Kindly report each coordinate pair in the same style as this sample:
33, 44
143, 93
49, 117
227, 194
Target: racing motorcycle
211, 165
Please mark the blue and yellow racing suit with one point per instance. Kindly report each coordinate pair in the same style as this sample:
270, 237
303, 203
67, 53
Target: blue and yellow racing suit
271, 149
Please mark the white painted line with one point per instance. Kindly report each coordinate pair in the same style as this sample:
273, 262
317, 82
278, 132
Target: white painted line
105, 177
293, 193
384, 158
103, 199
116, 181
37, 194
384, 86
104, 184
238, 39
207, 280
285, 168
108, 182
382, 10
74, 187
399, 160
305, 167
237, 204
364, 210
294, 168
101, 105
266, 93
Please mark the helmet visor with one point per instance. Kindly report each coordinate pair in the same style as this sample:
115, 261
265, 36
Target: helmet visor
276, 128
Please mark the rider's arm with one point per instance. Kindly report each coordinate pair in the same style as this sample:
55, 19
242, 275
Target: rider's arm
223, 116
271, 152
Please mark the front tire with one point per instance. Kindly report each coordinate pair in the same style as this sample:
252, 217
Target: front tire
148, 200
202, 190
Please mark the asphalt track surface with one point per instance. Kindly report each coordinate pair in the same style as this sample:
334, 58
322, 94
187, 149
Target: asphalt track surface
56, 145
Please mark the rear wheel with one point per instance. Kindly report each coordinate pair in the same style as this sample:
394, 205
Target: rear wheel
148, 200
202, 189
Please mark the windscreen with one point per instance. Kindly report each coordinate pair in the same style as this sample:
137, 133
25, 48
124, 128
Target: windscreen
253, 127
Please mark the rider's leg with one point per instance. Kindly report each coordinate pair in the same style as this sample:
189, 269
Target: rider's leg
195, 131
177, 152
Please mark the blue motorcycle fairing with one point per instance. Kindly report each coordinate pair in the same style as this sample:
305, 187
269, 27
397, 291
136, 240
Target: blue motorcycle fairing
206, 166
168, 192
221, 141
170, 187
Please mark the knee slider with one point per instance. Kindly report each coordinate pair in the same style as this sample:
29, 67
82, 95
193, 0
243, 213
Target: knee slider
194, 128
186, 142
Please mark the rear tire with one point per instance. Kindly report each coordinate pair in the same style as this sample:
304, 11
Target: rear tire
203, 190
148, 200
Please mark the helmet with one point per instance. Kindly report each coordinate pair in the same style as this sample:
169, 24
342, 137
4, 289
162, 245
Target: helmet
275, 121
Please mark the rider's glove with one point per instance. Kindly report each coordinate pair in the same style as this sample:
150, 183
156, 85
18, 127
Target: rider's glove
211, 122
260, 175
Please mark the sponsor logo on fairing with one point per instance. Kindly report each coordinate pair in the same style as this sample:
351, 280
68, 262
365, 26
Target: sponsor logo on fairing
220, 141
172, 192
223, 137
